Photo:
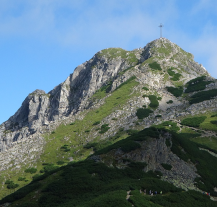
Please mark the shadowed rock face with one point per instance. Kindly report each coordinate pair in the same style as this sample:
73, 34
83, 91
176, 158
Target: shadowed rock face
73, 95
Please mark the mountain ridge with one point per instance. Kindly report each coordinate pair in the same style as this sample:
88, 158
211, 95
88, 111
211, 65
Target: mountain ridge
104, 100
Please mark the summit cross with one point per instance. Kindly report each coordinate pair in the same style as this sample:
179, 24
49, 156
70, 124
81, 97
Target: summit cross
161, 30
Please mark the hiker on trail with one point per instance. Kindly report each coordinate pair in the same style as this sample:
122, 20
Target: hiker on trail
150, 192
145, 192
208, 194
155, 192
140, 191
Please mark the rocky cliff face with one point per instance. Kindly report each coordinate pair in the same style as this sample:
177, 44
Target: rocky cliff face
155, 152
108, 67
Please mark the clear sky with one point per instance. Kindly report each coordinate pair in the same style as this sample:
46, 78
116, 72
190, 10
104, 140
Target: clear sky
42, 41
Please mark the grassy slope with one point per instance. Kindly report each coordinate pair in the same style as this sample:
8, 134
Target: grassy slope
88, 183
76, 134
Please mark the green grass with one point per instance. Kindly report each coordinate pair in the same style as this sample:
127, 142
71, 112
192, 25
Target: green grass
210, 142
207, 124
194, 121
76, 137
124, 71
168, 125
80, 126
89, 184
112, 53
126, 82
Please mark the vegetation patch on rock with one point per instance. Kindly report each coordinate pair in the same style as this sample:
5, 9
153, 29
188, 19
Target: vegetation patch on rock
175, 91
143, 113
194, 121
155, 66
175, 76
197, 84
203, 96
166, 166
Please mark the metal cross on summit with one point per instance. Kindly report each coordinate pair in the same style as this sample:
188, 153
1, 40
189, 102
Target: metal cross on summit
161, 30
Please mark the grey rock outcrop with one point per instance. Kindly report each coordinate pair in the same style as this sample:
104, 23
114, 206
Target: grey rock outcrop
155, 152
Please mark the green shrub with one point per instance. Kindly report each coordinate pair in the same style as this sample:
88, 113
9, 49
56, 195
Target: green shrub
197, 84
154, 102
31, 170
205, 163
145, 88
166, 166
64, 147
202, 96
8, 181
49, 168
12, 186
137, 165
132, 131
167, 142
45, 163
21, 179
175, 91
87, 131
213, 122
115, 119
142, 113
159, 98
175, 76
194, 121
170, 102
155, 66
35, 176
104, 128
214, 115
171, 72
60, 162
129, 146
96, 123
72, 123
158, 116
90, 145
53, 132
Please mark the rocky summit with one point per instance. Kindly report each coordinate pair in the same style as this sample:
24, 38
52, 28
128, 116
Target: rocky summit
147, 116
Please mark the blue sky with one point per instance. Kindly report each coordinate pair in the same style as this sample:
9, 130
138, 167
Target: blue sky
42, 41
